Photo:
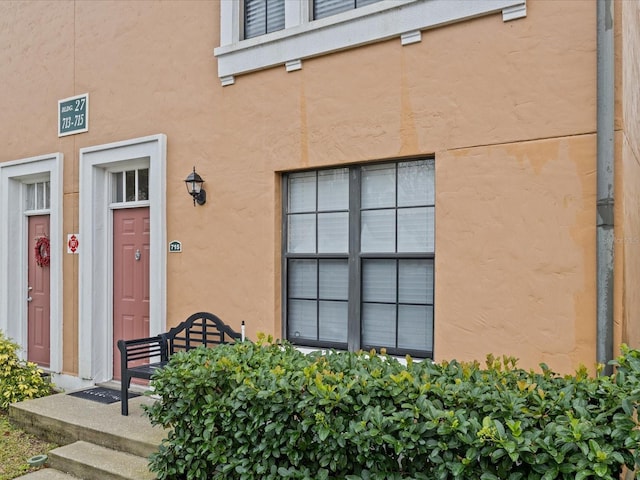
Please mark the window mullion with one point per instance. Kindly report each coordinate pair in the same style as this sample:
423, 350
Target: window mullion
135, 193
397, 301
296, 13
266, 16
355, 294
396, 257
396, 212
317, 234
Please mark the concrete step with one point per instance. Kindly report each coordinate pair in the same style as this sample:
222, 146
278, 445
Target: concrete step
63, 419
47, 474
92, 462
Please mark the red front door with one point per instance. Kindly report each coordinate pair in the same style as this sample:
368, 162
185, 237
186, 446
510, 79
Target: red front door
130, 277
38, 318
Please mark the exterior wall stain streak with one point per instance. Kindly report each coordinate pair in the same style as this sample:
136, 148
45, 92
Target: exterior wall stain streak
408, 131
517, 223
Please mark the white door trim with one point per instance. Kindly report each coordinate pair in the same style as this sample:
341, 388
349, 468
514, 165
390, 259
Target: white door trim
14, 254
95, 279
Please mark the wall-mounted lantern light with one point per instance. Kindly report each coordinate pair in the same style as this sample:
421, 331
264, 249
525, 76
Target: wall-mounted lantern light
194, 187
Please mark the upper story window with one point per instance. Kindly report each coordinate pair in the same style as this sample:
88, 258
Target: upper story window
326, 8
257, 34
263, 16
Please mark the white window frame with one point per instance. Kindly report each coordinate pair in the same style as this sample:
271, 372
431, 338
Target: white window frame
131, 167
305, 38
356, 257
44, 210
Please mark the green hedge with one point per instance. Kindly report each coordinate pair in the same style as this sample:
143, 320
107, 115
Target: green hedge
19, 380
267, 411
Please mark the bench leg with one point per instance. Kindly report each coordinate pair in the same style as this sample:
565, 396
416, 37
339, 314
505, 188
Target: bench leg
124, 394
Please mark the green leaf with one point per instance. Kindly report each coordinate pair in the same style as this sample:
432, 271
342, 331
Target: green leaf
497, 454
323, 433
582, 474
601, 469
457, 469
284, 472
488, 476
510, 446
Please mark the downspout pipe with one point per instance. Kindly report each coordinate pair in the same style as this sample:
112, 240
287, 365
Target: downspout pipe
605, 192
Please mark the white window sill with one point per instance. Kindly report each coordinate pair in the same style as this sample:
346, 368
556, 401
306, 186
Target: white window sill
376, 22
327, 351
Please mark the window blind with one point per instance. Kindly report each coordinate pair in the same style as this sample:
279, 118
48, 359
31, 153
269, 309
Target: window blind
326, 8
263, 16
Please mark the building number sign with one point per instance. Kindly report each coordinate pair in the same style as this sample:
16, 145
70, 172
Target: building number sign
73, 115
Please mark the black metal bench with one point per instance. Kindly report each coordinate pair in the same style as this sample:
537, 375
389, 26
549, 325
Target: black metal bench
141, 357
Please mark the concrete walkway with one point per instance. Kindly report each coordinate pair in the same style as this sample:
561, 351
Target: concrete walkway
96, 442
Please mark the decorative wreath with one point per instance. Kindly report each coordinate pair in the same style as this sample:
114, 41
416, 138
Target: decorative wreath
42, 251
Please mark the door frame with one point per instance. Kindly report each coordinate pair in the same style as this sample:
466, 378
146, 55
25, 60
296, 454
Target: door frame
14, 250
95, 278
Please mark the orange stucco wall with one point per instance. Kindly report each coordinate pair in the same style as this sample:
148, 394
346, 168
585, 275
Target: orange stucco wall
517, 243
482, 82
508, 109
629, 239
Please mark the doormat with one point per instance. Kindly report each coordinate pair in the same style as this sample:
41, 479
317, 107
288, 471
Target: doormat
101, 394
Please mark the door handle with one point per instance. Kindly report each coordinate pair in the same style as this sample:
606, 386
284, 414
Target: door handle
29, 299
138, 255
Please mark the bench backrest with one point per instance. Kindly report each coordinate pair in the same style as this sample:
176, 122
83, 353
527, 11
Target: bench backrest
139, 351
202, 328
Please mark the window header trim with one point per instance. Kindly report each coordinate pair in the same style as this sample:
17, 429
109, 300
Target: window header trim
361, 26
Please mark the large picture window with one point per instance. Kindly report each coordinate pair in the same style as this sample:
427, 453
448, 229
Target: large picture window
359, 255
